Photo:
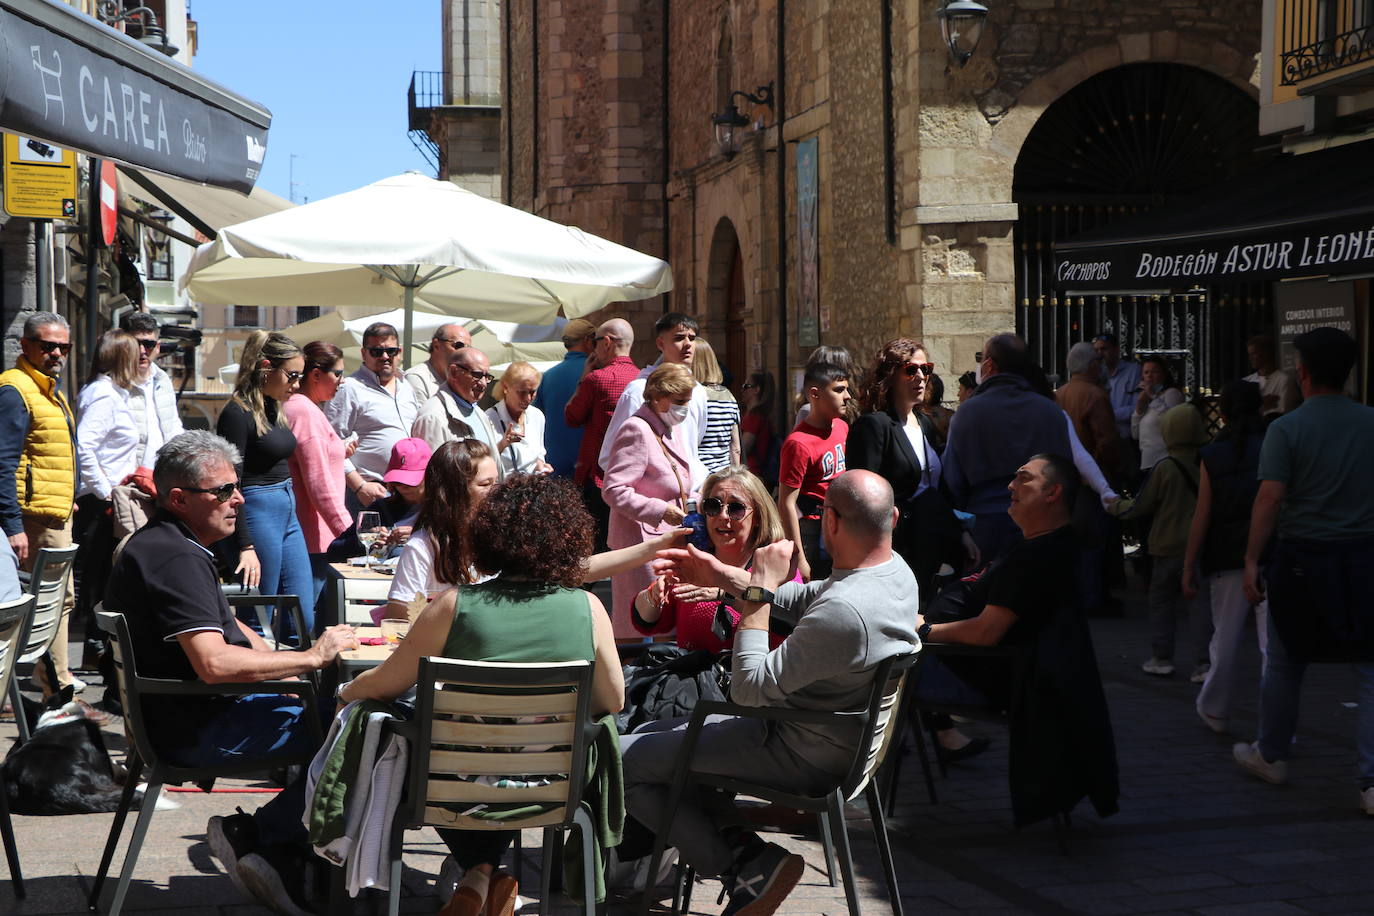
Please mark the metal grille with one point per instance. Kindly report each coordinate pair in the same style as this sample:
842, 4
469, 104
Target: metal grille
1320, 36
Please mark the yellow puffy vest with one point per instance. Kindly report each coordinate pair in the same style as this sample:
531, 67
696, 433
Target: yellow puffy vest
46, 480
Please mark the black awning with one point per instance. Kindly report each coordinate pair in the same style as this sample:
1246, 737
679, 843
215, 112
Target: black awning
1300, 216
67, 79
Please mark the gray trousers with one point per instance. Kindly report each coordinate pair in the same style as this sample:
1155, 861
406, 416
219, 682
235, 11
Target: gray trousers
727, 746
1168, 607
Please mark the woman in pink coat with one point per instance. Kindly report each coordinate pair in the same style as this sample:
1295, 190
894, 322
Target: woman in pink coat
317, 464
650, 478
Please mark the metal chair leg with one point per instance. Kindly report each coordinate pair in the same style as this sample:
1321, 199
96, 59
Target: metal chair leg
875, 812
126, 801
828, 846
21, 721
11, 848
918, 734
841, 835
546, 866
393, 896
689, 882
583, 821
145, 817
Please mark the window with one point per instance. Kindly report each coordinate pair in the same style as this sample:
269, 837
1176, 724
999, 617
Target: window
245, 316
306, 313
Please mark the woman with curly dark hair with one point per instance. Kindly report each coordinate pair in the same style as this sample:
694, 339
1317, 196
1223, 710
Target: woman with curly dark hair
535, 536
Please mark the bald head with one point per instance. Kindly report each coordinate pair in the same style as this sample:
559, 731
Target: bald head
864, 503
619, 333
448, 339
455, 332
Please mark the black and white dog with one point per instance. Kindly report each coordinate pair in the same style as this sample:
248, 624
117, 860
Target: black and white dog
64, 767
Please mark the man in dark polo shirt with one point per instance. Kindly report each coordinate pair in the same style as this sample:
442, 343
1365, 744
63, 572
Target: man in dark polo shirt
182, 627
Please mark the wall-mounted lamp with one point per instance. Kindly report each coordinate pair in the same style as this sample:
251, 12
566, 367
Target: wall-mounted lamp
730, 123
112, 12
961, 24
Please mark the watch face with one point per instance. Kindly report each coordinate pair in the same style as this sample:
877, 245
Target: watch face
757, 593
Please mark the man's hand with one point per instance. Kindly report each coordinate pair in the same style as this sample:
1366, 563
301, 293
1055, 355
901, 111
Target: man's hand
1188, 584
370, 492
334, 640
774, 564
19, 543
692, 565
1254, 582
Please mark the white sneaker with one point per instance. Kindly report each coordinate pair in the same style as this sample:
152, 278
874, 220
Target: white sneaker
1199, 675
1367, 801
1160, 667
1250, 758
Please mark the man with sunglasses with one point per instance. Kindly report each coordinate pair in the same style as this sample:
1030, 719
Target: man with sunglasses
38, 463
431, 375
153, 400
379, 408
453, 412
182, 628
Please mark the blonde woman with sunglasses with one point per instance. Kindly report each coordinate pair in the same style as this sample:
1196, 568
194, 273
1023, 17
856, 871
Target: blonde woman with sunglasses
272, 551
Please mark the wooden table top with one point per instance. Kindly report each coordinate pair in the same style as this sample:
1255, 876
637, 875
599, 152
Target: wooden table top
366, 656
349, 571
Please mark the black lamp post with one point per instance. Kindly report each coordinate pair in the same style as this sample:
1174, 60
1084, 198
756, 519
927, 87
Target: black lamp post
111, 12
731, 121
961, 24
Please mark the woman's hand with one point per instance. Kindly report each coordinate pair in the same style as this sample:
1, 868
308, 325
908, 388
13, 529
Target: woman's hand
398, 535
673, 515
249, 568
1142, 401
370, 492
350, 446
975, 556
691, 594
1189, 583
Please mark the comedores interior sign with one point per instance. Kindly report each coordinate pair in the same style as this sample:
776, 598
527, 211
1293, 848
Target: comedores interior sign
1336, 246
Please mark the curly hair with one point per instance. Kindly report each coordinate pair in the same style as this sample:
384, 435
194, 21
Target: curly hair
888, 361
446, 512
533, 527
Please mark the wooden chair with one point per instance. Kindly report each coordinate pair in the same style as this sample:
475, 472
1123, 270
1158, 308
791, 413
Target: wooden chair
544, 728
269, 610
144, 754
879, 718
48, 583
357, 597
14, 616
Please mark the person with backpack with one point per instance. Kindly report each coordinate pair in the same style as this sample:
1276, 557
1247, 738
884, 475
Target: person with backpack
1216, 543
1170, 496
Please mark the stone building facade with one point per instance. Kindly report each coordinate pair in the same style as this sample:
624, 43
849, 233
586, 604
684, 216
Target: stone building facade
607, 125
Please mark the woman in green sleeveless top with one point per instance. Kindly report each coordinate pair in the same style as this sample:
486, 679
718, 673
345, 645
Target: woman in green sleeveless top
535, 534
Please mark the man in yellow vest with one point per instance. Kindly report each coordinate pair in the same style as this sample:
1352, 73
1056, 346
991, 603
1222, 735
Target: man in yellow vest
38, 462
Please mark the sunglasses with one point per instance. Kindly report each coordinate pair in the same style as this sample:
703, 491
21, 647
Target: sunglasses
487, 376
150, 346
923, 368
50, 345
379, 352
291, 377
453, 342
337, 373
711, 507
222, 493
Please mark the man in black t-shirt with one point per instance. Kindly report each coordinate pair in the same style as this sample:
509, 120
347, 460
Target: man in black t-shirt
182, 628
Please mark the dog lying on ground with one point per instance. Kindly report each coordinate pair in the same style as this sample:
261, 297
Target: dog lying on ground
64, 767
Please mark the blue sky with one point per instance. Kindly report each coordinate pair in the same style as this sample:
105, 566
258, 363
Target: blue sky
333, 74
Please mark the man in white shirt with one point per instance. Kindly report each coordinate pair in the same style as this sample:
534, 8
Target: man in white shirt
453, 412
675, 336
1278, 389
153, 400
379, 408
428, 377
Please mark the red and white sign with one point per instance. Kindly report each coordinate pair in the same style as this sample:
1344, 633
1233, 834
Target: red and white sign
109, 202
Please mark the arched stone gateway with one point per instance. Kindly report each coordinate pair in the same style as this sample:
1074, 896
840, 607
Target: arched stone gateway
726, 302
1127, 140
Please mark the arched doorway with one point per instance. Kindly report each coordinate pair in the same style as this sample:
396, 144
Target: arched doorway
1128, 140
727, 303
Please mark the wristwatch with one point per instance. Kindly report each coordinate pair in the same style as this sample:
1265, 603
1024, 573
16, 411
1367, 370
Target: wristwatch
923, 632
757, 594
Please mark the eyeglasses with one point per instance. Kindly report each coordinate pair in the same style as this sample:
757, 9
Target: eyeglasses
150, 346
605, 337
291, 377
453, 342
379, 352
923, 368
711, 507
50, 345
480, 376
222, 493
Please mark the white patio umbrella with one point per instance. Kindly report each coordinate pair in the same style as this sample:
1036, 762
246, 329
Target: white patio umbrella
411, 238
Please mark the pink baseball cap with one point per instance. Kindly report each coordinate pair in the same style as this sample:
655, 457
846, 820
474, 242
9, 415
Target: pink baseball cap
409, 458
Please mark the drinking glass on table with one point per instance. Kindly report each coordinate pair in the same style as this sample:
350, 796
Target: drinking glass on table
394, 630
369, 530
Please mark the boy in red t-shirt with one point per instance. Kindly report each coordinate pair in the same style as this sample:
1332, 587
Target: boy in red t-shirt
812, 456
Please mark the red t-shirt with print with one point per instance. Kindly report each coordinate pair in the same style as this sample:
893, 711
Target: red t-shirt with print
810, 459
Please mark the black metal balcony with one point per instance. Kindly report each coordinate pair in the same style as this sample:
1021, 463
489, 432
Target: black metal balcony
1323, 36
425, 94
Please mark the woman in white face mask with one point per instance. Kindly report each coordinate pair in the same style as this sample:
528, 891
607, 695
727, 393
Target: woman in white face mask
649, 479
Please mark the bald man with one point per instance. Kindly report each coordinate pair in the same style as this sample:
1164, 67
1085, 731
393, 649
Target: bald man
844, 627
428, 377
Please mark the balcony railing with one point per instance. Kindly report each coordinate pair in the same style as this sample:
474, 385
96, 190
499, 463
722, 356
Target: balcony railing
1322, 36
426, 92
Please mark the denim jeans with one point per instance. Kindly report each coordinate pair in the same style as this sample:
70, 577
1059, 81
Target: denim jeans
262, 725
270, 512
1278, 713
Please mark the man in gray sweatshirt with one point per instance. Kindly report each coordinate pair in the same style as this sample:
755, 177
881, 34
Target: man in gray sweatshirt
844, 627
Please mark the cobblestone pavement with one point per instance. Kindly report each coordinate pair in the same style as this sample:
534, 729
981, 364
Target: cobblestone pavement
1194, 835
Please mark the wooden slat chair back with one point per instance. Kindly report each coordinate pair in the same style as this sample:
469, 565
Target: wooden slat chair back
14, 617
48, 583
499, 720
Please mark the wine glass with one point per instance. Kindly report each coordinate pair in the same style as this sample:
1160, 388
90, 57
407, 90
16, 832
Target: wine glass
369, 529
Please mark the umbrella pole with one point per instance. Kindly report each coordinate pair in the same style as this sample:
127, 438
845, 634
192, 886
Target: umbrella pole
409, 330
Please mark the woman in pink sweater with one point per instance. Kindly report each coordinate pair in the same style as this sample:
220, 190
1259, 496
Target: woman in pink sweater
317, 464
